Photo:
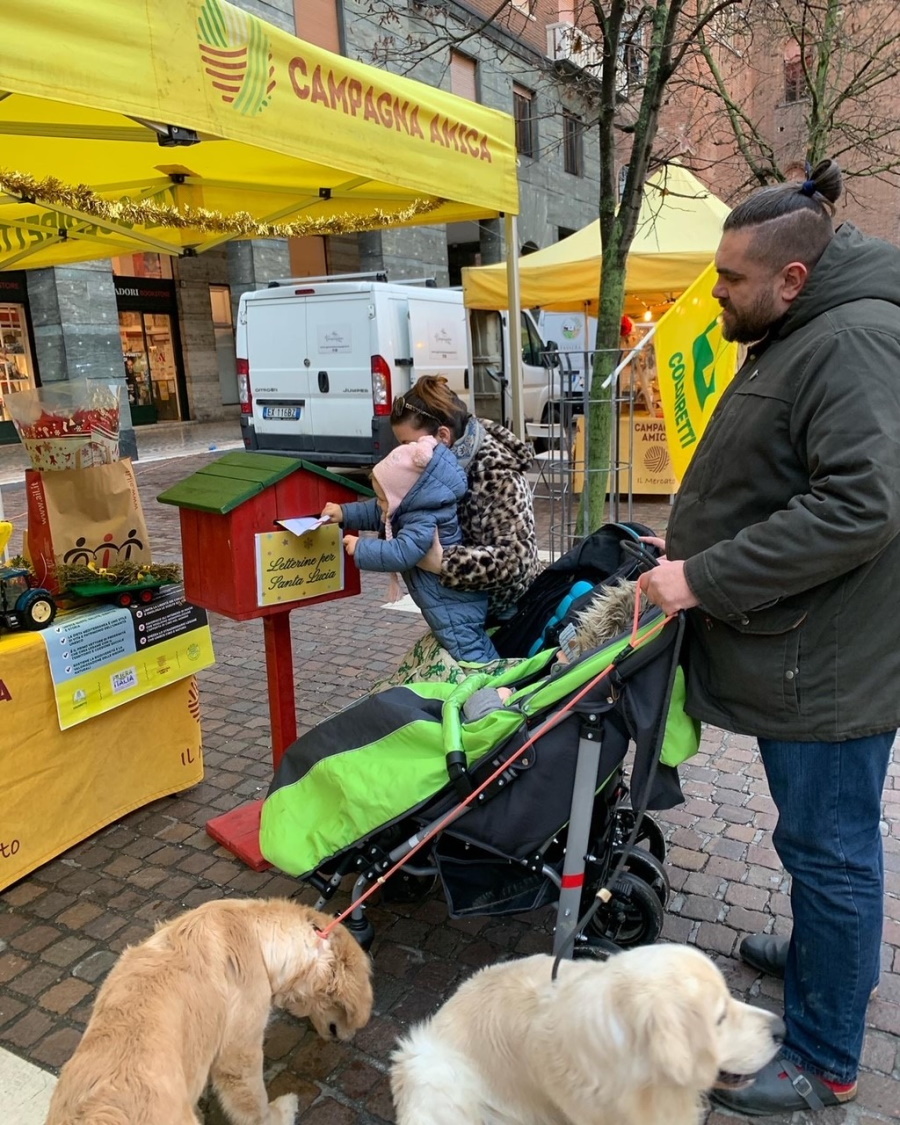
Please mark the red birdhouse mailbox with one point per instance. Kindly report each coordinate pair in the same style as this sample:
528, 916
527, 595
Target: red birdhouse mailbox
240, 560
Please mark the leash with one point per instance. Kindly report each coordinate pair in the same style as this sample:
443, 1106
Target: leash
549, 724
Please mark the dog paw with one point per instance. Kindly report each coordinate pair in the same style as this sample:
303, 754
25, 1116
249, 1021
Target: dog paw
283, 1111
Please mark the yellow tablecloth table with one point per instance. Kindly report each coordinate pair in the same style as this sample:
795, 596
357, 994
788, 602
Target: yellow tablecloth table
59, 787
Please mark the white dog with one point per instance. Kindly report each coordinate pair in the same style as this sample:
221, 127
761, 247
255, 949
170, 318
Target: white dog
635, 1040
192, 1003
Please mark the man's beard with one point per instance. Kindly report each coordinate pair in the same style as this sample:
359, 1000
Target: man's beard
752, 324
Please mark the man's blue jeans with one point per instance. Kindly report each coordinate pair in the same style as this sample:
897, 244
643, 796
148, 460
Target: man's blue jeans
828, 796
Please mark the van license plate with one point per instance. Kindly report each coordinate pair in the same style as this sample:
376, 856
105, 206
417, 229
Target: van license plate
283, 413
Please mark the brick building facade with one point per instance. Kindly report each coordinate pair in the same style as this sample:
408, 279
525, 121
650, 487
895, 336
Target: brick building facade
165, 326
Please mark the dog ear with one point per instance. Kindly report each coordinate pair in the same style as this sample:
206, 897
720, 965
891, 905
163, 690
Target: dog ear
351, 972
680, 1038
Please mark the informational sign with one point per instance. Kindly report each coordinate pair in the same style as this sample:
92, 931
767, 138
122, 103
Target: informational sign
105, 656
291, 568
642, 444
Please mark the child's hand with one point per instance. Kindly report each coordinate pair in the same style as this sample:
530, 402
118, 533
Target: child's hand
332, 512
350, 542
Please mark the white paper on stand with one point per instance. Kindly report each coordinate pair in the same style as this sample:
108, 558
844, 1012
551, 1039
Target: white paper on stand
302, 524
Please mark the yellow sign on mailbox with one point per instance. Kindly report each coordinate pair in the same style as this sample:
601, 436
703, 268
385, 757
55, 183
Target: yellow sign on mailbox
292, 568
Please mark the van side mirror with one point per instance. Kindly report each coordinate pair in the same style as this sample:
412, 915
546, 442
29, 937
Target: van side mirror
551, 354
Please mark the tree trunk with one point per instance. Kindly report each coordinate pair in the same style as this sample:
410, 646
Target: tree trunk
601, 407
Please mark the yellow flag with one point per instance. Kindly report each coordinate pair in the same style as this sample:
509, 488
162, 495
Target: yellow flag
694, 366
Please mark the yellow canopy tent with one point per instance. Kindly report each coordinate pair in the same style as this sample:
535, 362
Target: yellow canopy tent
678, 231
179, 124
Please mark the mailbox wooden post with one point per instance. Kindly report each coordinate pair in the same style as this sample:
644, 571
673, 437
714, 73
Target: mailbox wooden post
223, 509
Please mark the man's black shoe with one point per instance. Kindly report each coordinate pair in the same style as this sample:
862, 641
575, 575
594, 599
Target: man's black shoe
767, 953
781, 1087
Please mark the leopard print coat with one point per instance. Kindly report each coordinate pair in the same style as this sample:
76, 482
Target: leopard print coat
499, 549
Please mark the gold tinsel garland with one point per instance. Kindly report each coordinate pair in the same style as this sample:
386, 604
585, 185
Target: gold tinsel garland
147, 213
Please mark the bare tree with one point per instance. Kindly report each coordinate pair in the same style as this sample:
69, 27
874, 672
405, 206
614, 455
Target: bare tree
631, 52
835, 66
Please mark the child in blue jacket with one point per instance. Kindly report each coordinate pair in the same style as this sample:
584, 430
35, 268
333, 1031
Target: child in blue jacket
417, 487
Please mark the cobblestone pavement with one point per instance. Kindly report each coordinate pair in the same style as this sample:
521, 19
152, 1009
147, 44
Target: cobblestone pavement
62, 927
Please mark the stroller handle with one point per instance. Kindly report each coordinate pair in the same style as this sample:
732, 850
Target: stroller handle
451, 723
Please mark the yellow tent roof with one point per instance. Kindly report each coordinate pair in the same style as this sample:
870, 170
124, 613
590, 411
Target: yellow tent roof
289, 135
678, 231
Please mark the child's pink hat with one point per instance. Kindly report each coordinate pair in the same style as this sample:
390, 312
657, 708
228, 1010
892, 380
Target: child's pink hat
402, 467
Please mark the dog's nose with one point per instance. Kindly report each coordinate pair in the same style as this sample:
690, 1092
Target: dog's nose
778, 1029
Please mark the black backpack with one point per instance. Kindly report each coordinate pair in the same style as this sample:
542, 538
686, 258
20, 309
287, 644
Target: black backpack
598, 558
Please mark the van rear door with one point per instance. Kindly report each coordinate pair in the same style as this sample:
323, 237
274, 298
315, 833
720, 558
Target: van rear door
339, 351
437, 335
276, 347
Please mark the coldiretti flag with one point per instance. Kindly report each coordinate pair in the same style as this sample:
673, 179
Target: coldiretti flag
694, 365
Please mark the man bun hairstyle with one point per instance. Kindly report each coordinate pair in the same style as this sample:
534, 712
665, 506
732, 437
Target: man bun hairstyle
793, 222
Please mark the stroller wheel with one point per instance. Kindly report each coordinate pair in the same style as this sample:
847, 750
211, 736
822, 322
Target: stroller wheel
633, 916
646, 866
649, 834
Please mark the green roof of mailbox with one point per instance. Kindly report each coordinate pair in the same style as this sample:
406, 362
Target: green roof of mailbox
232, 480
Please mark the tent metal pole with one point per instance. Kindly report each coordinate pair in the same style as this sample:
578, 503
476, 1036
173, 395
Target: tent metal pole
515, 324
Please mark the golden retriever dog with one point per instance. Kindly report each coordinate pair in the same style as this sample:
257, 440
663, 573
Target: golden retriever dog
635, 1040
191, 1003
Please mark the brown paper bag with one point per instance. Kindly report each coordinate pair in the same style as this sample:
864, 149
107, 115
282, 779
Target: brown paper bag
84, 516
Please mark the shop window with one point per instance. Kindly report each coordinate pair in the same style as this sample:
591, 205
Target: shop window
523, 112
142, 265
573, 144
223, 326
16, 368
151, 373
463, 76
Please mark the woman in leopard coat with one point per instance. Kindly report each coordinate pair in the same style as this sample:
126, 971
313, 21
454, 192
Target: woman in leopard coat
499, 549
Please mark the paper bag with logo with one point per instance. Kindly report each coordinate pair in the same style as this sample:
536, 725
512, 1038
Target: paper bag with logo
84, 516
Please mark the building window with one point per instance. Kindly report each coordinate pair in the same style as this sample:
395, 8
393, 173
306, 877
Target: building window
795, 89
526, 7
564, 232
463, 76
523, 112
142, 265
573, 145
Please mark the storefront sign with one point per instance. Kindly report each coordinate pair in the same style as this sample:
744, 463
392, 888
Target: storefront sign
13, 288
103, 657
147, 294
292, 568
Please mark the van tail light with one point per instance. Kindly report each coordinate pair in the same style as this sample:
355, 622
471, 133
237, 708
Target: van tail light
245, 392
381, 385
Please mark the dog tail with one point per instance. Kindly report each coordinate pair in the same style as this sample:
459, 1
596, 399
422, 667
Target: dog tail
431, 1084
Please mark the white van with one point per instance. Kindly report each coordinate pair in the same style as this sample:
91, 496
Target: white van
573, 334
321, 359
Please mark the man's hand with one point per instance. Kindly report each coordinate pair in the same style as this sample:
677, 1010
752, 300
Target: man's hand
666, 586
350, 542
